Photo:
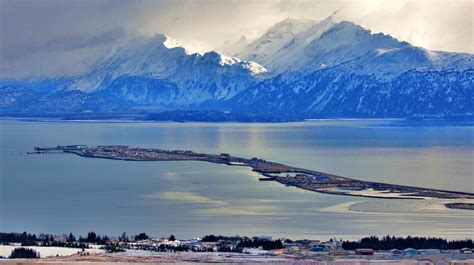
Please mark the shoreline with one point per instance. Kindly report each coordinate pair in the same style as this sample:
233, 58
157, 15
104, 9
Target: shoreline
128, 119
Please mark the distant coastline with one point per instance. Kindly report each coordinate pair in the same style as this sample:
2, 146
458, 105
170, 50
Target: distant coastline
152, 118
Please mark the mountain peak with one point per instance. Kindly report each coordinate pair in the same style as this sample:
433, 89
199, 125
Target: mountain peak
231, 48
344, 32
222, 60
332, 17
243, 39
166, 41
291, 23
288, 20
350, 26
274, 39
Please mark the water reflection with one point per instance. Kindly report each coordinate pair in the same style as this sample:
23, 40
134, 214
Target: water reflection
66, 193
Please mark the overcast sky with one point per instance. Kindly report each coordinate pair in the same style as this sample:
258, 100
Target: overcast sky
46, 37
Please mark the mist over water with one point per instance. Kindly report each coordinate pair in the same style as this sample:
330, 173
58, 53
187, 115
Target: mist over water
66, 193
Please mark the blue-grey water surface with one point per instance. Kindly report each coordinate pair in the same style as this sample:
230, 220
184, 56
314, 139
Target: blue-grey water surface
66, 193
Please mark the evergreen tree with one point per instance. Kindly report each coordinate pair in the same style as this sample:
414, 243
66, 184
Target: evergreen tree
72, 238
141, 236
24, 253
124, 237
91, 237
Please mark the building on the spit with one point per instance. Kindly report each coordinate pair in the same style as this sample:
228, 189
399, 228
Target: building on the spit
365, 251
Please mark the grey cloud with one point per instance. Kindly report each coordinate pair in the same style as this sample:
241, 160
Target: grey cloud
62, 44
49, 36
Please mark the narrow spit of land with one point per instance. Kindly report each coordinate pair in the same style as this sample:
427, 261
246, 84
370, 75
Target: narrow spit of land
290, 176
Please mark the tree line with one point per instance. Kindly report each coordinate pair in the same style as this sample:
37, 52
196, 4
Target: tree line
27, 239
238, 243
24, 253
392, 242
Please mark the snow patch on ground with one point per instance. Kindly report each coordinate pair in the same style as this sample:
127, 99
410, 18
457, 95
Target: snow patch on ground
6, 250
383, 51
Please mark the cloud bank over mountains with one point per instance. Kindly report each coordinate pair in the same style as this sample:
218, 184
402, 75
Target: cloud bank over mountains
54, 37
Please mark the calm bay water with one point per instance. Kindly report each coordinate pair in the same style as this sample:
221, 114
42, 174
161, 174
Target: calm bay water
66, 193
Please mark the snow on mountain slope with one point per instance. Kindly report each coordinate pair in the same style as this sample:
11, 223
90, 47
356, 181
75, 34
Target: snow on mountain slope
234, 48
274, 39
340, 69
358, 50
346, 42
198, 78
329, 43
320, 69
331, 93
282, 59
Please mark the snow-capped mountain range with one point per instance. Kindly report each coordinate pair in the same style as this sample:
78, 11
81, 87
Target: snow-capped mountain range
194, 78
315, 69
307, 46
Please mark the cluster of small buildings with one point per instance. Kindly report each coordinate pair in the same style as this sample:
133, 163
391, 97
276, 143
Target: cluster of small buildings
152, 244
302, 248
260, 247
127, 153
302, 179
196, 244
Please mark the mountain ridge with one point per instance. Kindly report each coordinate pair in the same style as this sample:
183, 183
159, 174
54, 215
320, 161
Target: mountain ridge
330, 43
322, 68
